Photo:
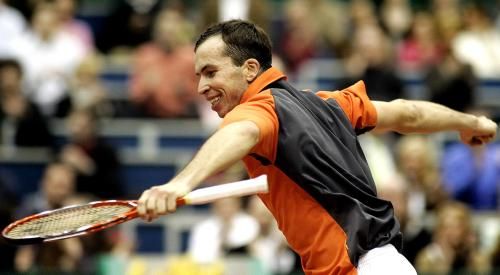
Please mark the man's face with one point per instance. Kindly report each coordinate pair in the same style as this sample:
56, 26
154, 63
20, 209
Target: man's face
220, 81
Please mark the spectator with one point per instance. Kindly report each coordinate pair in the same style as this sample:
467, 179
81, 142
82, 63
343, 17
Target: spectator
128, 26
228, 231
362, 13
472, 175
418, 164
454, 245
12, 25
96, 163
452, 83
77, 28
332, 25
370, 60
8, 202
379, 155
299, 41
416, 236
57, 186
214, 11
270, 246
422, 49
163, 81
48, 58
448, 18
86, 90
397, 17
479, 44
21, 121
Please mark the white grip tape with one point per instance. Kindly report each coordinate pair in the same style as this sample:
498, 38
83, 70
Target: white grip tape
234, 189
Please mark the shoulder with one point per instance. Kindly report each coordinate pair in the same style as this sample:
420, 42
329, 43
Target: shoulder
262, 102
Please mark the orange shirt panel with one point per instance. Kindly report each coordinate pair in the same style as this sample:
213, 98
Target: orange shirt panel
356, 105
260, 110
308, 227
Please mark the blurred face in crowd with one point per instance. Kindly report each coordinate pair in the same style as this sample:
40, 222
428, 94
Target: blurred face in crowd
88, 70
415, 156
81, 127
423, 26
65, 9
13, 104
371, 43
454, 226
45, 22
58, 184
221, 82
171, 30
10, 80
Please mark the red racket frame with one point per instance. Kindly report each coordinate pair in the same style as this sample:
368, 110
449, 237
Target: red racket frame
132, 214
199, 196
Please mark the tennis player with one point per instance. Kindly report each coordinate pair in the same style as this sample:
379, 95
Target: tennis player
321, 190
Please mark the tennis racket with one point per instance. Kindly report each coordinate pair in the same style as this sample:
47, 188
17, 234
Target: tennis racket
77, 220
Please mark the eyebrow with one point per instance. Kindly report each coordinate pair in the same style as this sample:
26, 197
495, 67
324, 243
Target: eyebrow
203, 69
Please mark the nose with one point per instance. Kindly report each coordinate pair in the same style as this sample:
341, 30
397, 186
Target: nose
203, 86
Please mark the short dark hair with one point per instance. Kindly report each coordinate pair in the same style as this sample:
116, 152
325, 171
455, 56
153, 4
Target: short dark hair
11, 63
243, 39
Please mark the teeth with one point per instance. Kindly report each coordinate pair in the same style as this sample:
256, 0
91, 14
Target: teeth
214, 100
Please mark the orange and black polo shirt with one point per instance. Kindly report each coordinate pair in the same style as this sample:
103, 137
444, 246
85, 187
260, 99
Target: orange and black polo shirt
321, 190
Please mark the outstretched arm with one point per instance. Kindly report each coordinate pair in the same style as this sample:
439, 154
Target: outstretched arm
224, 148
411, 116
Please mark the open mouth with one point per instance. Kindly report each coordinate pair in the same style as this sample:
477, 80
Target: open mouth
213, 101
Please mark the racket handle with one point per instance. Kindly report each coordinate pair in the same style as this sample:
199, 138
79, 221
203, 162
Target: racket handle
234, 189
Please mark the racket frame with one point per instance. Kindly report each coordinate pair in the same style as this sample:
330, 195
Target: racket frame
83, 230
199, 196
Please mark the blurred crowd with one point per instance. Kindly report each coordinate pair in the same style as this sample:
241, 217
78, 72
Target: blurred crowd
53, 60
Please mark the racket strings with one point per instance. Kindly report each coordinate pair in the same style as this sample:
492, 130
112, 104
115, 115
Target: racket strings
68, 220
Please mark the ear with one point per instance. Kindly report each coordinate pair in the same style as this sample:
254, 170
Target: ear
251, 69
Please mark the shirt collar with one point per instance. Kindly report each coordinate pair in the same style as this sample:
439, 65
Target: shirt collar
269, 76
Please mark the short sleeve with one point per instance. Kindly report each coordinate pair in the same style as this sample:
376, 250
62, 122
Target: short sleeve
356, 105
260, 110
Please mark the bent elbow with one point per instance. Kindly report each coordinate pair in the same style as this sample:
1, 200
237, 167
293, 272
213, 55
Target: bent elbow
248, 132
253, 132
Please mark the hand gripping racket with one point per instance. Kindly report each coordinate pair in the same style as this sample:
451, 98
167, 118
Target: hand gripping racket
76, 220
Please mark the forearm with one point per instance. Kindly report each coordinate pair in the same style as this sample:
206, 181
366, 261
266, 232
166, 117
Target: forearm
410, 116
428, 117
224, 148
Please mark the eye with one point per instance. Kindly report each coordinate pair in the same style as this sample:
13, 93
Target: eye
210, 74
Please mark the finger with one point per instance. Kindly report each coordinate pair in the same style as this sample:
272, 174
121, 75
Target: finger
161, 206
171, 203
151, 206
141, 203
